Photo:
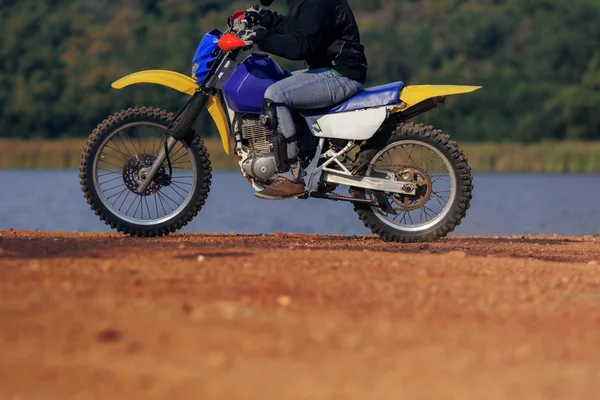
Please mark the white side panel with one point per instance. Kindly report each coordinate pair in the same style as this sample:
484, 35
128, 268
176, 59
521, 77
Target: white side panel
353, 125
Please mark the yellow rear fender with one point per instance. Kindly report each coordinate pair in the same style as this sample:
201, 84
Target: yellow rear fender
183, 84
413, 95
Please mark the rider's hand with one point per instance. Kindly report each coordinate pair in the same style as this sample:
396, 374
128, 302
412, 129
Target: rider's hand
256, 15
248, 36
238, 25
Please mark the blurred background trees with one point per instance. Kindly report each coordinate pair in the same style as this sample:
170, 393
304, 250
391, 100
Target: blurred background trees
539, 60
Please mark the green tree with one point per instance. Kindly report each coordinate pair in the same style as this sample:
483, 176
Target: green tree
538, 60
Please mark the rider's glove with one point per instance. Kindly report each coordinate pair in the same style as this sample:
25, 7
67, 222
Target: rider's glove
248, 36
256, 15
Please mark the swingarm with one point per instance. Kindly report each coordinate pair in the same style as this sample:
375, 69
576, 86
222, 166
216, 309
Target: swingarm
376, 184
320, 172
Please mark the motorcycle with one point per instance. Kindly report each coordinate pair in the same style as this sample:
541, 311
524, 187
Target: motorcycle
146, 172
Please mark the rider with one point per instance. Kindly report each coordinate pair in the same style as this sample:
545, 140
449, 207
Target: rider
324, 33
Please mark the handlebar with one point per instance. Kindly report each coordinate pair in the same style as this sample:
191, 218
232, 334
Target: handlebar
239, 25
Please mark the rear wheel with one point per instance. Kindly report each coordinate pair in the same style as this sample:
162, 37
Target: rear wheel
115, 160
424, 156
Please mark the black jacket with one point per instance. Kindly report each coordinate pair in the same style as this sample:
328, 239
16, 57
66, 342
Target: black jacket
322, 32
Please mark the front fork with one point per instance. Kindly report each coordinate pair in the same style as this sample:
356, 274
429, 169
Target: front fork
181, 126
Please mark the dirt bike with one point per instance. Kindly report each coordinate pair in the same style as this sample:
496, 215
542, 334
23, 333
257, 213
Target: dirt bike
146, 172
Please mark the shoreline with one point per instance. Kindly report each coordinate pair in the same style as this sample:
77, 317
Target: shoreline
546, 157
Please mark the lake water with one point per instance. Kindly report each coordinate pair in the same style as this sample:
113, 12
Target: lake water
503, 204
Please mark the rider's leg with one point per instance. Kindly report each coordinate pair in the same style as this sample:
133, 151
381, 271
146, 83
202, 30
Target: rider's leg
284, 135
312, 89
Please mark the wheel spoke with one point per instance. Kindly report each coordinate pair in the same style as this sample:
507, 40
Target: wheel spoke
154, 151
173, 155
439, 169
130, 207
146, 144
179, 187
428, 161
126, 157
113, 188
138, 207
403, 219
162, 204
114, 165
176, 192
112, 180
124, 200
128, 133
436, 195
148, 208
175, 162
409, 156
173, 201
433, 213
110, 173
120, 194
441, 178
124, 144
437, 198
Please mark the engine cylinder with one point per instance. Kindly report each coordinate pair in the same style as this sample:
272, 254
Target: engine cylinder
261, 164
258, 136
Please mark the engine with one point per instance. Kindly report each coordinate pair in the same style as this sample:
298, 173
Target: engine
261, 165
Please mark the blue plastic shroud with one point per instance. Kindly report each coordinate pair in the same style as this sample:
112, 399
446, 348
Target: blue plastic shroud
245, 90
206, 55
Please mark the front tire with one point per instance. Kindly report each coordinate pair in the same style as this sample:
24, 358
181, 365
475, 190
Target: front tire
123, 165
459, 195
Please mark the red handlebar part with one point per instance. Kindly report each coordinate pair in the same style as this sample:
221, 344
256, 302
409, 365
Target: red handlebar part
230, 42
238, 15
235, 16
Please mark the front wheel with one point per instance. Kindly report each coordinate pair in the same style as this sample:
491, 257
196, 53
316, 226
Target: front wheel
426, 157
115, 160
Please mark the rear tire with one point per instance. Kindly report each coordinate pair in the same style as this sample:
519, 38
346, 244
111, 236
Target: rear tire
94, 145
457, 210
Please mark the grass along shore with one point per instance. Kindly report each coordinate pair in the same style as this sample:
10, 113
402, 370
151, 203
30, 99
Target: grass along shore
547, 157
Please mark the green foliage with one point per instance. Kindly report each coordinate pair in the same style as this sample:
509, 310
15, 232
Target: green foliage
539, 60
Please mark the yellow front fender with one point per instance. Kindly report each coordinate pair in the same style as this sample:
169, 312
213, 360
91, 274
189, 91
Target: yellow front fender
183, 84
413, 95
173, 80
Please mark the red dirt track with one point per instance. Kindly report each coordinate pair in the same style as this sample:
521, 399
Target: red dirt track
102, 316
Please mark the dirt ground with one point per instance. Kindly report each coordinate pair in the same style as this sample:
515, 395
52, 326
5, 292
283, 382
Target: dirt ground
90, 316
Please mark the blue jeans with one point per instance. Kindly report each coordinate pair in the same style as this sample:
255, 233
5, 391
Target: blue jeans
307, 90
